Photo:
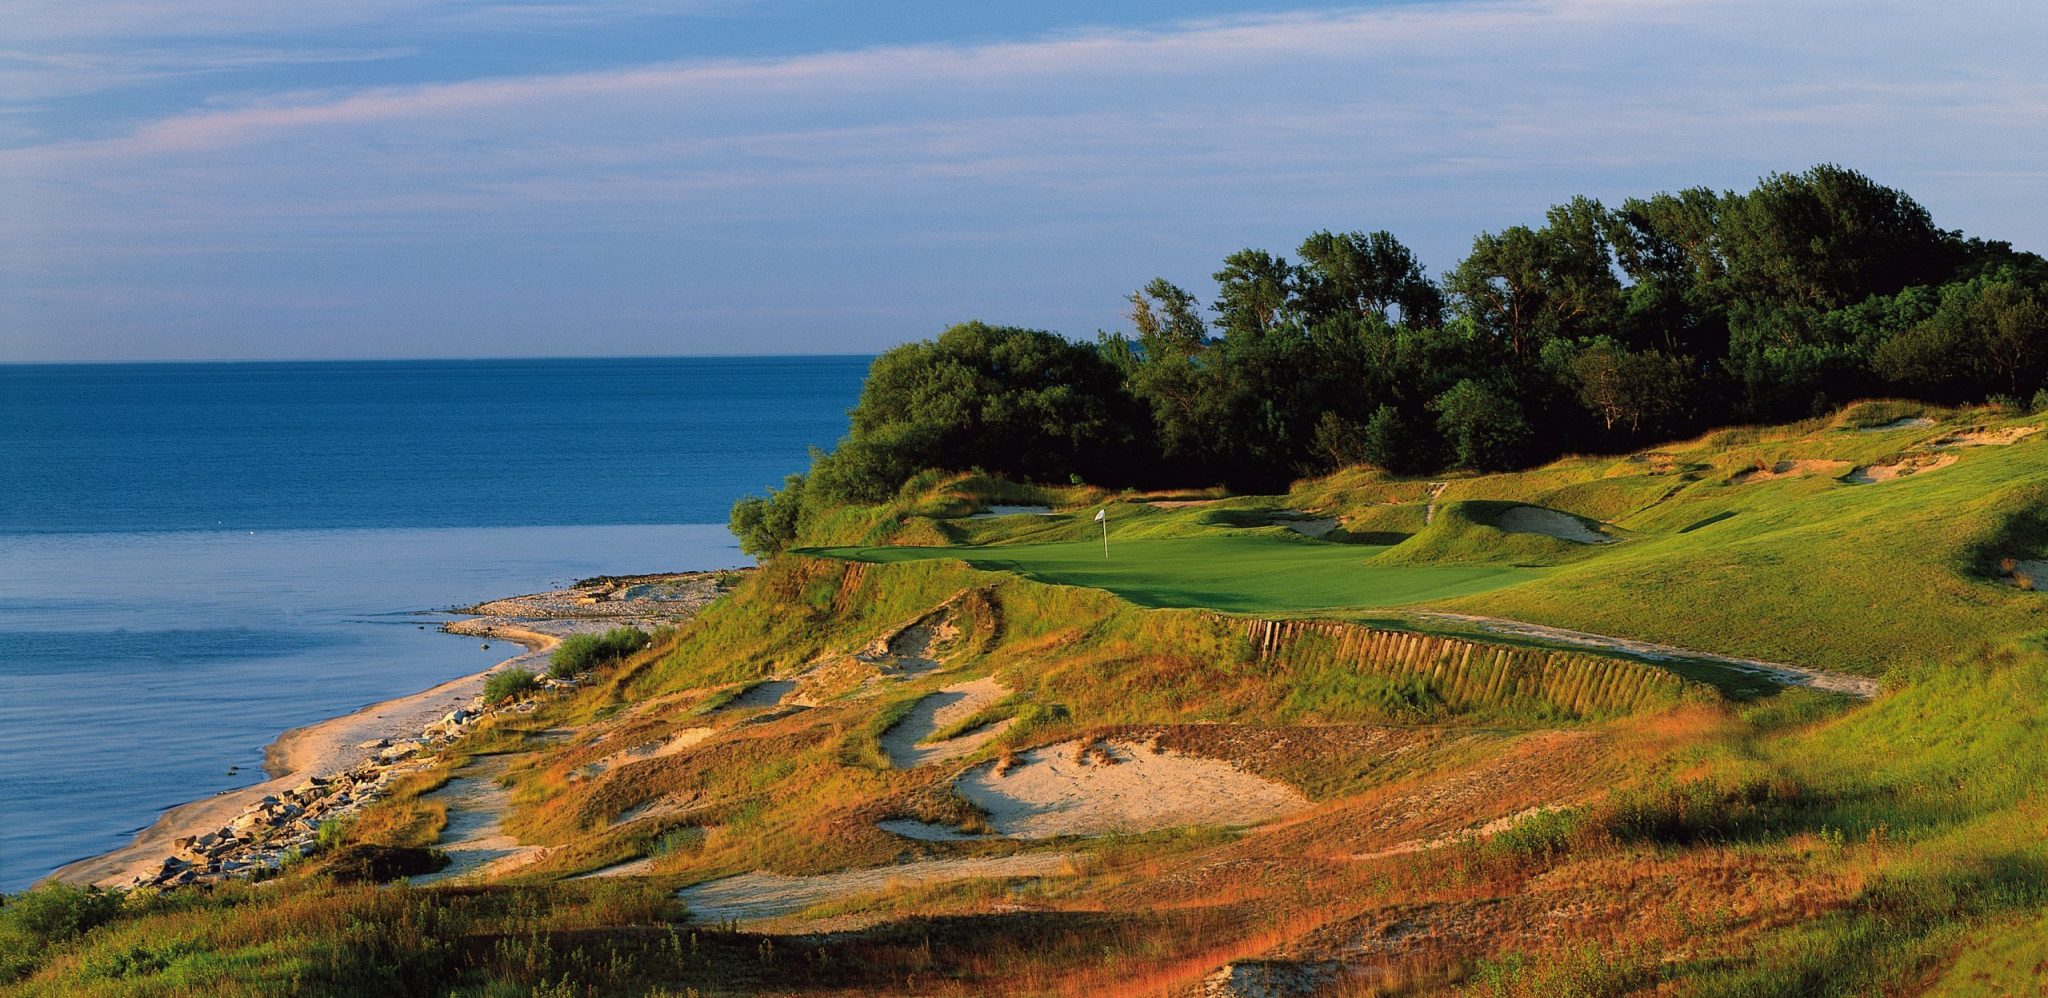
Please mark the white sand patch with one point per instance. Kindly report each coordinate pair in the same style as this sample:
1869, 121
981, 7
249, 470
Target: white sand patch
994, 511
659, 807
937, 711
759, 895
630, 868
1473, 834
1121, 786
1801, 468
1988, 438
1914, 464
925, 831
1436, 492
1551, 523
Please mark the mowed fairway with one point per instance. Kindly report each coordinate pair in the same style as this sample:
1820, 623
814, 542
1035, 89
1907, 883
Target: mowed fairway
1240, 574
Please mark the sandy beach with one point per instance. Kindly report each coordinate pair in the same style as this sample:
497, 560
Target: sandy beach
537, 622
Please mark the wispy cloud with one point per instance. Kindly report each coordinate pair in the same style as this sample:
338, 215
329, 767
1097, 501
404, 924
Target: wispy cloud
41, 22
1042, 175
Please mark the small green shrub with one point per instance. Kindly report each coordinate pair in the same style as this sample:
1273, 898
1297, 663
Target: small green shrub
507, 684
330, 834
580, 653
1538, 838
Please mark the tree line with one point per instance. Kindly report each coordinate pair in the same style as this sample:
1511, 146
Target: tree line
1596, 331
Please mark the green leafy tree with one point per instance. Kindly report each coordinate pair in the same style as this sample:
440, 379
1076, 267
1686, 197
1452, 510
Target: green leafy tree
1253, 290
765, 526
1018, 402
1987, 336
1482, 425
1629, 390
1826, 238
1364, 274
1397, 443
1525, 287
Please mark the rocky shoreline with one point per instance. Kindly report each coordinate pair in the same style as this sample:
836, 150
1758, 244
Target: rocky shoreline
204, 842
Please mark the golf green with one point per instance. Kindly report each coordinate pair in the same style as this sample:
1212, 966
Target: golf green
1232, 573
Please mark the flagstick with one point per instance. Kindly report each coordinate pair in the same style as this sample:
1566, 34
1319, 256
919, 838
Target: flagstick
1105, 537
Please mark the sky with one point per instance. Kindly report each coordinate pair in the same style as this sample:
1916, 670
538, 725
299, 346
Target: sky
248, 179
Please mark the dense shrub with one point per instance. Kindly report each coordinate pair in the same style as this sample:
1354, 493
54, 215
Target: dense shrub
583, 652
506, 684
375, 864
59, 911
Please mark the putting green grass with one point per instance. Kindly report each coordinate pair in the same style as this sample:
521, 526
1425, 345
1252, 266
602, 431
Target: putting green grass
1237, 573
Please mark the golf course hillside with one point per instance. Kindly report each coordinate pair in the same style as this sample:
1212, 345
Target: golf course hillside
1753, 713
1652, 604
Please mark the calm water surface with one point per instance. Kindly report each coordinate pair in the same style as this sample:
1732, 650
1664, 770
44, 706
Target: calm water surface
195, 557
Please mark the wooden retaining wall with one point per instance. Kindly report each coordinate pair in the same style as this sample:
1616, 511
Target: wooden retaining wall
1468, 672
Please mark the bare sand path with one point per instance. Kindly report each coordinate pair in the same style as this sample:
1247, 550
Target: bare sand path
474, 837
1860, 687
757, 896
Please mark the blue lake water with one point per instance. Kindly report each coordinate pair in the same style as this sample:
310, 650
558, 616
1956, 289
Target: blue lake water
196, 557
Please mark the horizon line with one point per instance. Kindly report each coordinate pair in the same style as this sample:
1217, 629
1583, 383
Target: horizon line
440, 359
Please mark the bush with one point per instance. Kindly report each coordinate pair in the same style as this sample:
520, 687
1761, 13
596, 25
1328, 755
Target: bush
505, 685
583, 652
373, 864
60, 911
331, 833
1538, 838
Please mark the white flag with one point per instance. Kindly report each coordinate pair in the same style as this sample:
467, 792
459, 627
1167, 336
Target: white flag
1101, 514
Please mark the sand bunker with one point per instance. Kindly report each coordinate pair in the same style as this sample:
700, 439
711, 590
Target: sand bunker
1086, 788
1306, 524
1551, 523
2021, 573
758, 895
678, 742
1910, 465
760, 695
1987, 438
937, 712
910, 650
994, 511
1790, 469
1902, 423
